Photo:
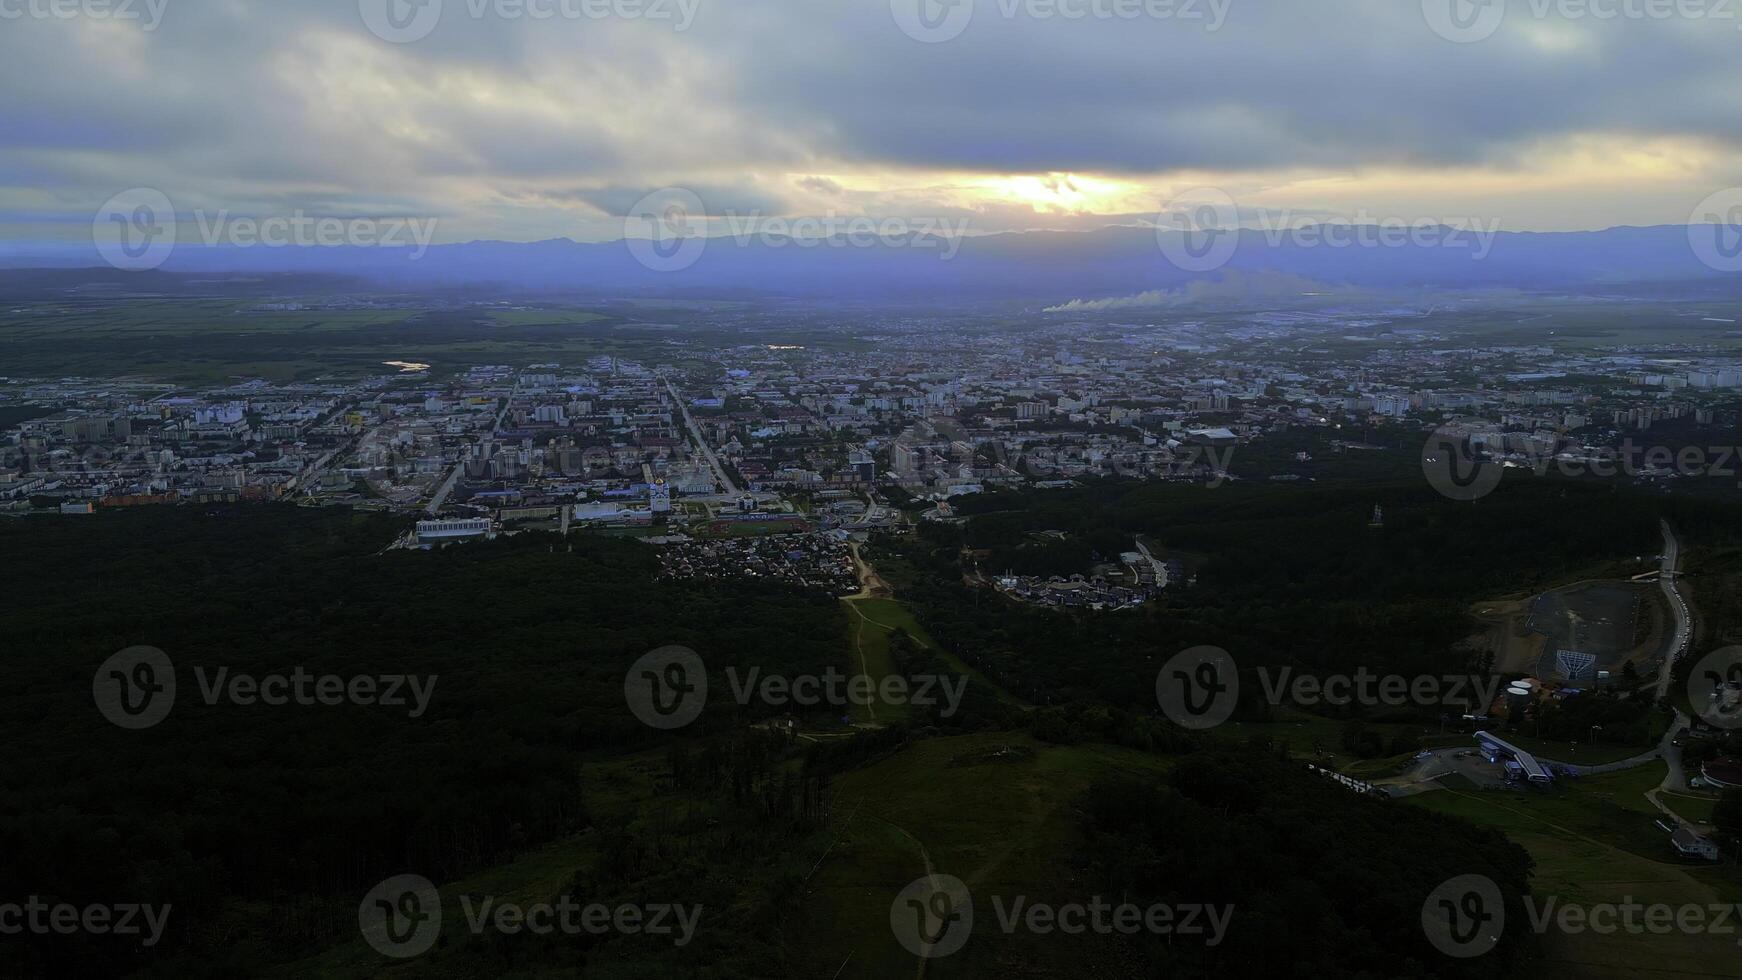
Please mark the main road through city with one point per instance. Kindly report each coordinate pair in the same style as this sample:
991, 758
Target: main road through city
701, 443
447, 487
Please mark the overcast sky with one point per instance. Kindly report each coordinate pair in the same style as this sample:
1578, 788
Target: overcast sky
503, 125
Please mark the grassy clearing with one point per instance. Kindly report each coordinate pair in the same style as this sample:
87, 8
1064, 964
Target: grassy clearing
869, 640
1320, 740
872, 622
1584, 753
1690, 806
995, 810
1609, 809
1594, 841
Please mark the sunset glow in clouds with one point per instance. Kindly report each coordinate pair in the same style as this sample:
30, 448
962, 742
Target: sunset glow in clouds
509, 125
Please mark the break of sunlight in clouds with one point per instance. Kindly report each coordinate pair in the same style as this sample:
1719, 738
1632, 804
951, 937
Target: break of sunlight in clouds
522, 129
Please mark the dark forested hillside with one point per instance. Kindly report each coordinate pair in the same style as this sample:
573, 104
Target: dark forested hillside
1294, 577
527, 642
1325, 882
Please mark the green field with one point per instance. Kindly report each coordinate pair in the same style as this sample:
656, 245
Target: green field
871, 623
1587, 753
1005, 825
1594, 840
215, 338
1576, 326
1690, 806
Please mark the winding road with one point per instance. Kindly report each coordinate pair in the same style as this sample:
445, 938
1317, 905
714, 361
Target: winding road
1676, 779
1683, 635
701, 443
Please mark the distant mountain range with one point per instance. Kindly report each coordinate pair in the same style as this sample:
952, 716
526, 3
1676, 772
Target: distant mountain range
1030, 267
